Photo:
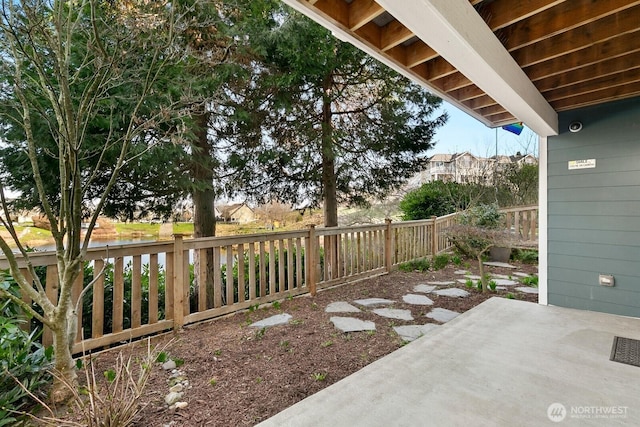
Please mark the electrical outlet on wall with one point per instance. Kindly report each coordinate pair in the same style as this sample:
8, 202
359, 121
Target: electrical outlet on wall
606, 280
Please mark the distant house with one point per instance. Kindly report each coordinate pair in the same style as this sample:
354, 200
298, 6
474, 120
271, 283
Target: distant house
237, 213
468, 168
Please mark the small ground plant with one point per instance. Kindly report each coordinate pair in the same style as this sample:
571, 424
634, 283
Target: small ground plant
24, 365
440, 261
421, 265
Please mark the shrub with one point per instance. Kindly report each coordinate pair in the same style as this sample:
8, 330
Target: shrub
440, 261
431, 199
22, 361
482, 216
415, 265
526, 256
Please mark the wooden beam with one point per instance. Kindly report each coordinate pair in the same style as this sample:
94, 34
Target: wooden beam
418, 53
338, 10
590, 72
362, 12
456, 31
502, 13
479, 102
568, 16
453, 82
393, 34
595, 85
589, 55
493, 109
465, 93
371, 33
578, 38
598, 97
502, 118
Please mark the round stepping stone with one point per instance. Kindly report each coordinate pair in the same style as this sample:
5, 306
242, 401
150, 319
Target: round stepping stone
341, 307
423, 288
278, 319
394, 313
499, 264
461, 272
413, 332
417, 299
350, 324
527, 290
370, 302
442, 314
445, 283
506, 282
452, 292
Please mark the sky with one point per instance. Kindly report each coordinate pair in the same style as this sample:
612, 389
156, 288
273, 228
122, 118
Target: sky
464, 133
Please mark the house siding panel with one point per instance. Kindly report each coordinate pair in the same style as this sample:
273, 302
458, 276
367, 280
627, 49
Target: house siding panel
594, 214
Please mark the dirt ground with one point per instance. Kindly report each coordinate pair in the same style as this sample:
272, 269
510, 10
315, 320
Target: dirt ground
239, 375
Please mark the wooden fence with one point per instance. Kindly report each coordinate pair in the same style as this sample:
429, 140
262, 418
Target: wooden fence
154, 287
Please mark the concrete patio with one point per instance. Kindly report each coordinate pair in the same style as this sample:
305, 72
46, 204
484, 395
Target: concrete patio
505, 362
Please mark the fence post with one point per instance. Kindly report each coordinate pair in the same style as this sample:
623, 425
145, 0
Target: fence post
388, 262
178, 279
434, 236
310, 259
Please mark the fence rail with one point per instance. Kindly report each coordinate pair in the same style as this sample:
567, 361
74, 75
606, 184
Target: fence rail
155, 287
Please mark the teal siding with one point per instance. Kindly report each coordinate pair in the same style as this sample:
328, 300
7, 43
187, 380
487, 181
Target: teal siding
594, 214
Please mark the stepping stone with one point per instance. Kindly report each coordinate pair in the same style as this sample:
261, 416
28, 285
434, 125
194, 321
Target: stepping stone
278, 319
499, 276
442, 314
394, 313
452, 292
527, 290
417, 299
370, 302
506, 282
461, 272
501, 288
350, 324
445, 283
499, 264
341, 307
412, 332
424, 288
473, 277
521, 274
464, 281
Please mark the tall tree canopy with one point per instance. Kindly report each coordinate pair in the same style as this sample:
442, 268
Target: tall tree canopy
329, 123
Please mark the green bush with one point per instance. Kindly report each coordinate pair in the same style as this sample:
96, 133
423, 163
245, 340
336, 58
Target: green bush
482, 216
440, 261
415, 265
432, 199
22, 359
526, 256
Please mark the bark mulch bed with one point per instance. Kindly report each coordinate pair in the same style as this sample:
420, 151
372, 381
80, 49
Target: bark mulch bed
240, 376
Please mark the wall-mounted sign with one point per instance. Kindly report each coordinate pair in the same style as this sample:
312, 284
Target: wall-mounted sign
582, 164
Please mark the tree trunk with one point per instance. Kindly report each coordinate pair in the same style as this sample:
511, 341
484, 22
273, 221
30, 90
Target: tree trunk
203, 195
329, 181
329, 186
64, 365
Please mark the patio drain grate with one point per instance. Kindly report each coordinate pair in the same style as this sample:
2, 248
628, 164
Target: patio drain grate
626, 350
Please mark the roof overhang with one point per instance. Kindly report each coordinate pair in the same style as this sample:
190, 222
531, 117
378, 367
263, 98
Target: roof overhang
498, 60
